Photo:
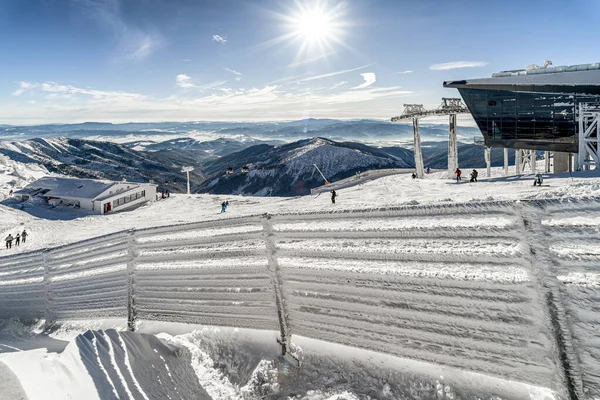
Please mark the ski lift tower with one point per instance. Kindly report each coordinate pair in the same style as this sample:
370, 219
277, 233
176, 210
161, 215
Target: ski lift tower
449, 106
589, 136
187, 170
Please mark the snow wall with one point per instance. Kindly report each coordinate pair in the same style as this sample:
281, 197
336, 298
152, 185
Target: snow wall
499, 288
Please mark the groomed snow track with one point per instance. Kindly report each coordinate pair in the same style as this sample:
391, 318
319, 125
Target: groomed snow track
468, 286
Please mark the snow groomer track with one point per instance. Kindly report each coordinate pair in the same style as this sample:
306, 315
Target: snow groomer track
505, 289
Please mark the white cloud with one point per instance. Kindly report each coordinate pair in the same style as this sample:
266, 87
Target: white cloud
140, 46
23, 87
403, 72
345, 71
369, 78
310, 60
66, 103
238, 74
219, 39
185, 60
67, 91
339, 84
212, 85
184, 81
133, 43
233, 71
458, 64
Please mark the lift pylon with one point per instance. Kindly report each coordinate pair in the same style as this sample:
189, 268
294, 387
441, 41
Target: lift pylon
449, 106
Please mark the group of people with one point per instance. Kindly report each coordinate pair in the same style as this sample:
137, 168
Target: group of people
17, 239
473, 175
164, 194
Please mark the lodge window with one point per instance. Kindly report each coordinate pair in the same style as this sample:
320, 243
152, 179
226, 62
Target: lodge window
130, 198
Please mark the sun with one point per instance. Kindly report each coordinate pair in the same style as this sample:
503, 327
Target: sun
316, 27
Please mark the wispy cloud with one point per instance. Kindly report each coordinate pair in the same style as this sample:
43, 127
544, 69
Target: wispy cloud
184, 81
60, 102
185, 60
133, 43
403, 72
56, 88
24, 86
339, 84
369, 78
140, 46
212, 85
345, 71
310, 60
238, 75
295, 78
458, 64
219, 39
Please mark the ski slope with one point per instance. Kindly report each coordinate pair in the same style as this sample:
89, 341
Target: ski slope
427, 271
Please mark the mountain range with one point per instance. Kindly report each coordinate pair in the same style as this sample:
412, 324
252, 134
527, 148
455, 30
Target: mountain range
276, 169
364, 130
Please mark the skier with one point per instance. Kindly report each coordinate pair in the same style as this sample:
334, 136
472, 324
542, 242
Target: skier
9, 240
24, 236
414, 176
428, 170
10, 193
538, 180
168, 193
223, 206
333, 196
458, 173
17, 239
475, 174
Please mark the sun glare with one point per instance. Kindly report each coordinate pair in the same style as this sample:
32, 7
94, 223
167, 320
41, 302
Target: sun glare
316, 26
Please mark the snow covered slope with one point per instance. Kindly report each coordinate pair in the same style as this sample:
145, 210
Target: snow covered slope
461, 285
101, 160
289, 169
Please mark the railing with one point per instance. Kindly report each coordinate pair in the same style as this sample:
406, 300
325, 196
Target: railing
460, 285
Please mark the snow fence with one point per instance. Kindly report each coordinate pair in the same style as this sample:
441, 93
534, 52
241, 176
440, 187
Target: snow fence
500, 288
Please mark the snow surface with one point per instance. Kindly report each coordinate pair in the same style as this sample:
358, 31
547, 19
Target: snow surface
479, 260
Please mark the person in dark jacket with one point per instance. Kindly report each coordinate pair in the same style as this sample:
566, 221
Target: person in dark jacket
333, 196
9, 240
24, 236
17, 239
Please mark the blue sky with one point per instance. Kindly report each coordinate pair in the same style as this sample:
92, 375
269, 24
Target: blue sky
156, 60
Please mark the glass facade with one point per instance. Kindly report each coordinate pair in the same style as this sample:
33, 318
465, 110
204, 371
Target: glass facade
527, 120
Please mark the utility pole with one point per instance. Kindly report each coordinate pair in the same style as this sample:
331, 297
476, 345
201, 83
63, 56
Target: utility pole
187, 170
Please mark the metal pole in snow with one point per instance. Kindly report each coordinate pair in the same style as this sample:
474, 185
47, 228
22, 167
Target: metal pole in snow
325, 179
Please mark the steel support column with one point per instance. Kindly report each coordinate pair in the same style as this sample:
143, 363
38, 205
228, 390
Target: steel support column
589, 136
452, 146
418, 151
488, 160
506, 161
